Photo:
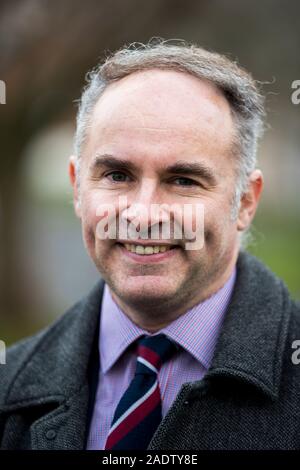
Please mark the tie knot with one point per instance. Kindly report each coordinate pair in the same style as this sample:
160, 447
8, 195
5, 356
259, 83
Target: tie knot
152, 352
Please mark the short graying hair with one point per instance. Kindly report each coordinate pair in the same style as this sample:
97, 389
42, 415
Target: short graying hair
237, 85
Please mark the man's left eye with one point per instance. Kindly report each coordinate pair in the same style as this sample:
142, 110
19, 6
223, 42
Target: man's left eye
186, 181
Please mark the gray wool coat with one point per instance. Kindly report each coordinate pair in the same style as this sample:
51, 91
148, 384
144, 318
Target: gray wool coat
249, 398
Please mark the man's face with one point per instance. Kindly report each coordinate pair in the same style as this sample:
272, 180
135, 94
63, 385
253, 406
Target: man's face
153, 120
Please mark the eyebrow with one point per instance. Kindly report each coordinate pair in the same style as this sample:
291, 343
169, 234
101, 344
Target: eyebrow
193, 168
111, 162
181, 167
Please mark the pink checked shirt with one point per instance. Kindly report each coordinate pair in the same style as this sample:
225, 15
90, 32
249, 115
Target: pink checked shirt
196, 331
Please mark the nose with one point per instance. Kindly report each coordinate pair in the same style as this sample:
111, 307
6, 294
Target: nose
145, 209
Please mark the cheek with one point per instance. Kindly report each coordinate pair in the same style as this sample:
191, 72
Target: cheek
92, 215
90, 208
89, 236
89, 222
217, 224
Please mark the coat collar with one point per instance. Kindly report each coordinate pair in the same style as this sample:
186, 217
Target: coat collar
250, 346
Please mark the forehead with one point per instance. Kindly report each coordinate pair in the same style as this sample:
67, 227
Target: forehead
161, 109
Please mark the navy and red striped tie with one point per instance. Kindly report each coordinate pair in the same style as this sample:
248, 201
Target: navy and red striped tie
138, 413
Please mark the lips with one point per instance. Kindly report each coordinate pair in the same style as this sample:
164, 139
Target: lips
147, 249
146, 254
142, 242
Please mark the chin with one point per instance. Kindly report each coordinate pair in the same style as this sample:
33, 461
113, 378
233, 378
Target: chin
147, 289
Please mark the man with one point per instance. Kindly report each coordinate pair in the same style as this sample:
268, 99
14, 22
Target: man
180, 346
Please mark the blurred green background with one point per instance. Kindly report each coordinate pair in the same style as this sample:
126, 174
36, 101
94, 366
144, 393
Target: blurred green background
46, 50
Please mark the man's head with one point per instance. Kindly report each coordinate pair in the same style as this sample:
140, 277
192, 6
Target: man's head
167, 124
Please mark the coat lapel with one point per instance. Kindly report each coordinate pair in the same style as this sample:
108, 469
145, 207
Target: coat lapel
252, 340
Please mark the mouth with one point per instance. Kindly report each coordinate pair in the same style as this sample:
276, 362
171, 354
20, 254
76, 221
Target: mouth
148, 253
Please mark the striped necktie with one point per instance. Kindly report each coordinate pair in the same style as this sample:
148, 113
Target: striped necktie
138, 413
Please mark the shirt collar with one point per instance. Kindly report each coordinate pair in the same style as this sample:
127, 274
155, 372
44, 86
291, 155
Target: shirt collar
196, 331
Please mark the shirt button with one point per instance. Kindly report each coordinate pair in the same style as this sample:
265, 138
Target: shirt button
51, 434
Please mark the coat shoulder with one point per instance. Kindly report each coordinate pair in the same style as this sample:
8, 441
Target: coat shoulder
20, 353
295, 319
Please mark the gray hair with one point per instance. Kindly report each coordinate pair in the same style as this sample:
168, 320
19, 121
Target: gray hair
237, 85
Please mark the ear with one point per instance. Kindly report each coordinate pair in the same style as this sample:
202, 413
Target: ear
75, 184
250, 200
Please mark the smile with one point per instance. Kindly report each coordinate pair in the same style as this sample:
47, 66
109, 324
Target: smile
148, 253
147, 250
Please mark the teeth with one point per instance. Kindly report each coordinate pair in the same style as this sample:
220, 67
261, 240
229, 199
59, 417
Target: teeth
139, 250
147, 250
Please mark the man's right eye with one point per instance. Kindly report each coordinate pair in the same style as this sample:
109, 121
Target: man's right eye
117, 176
